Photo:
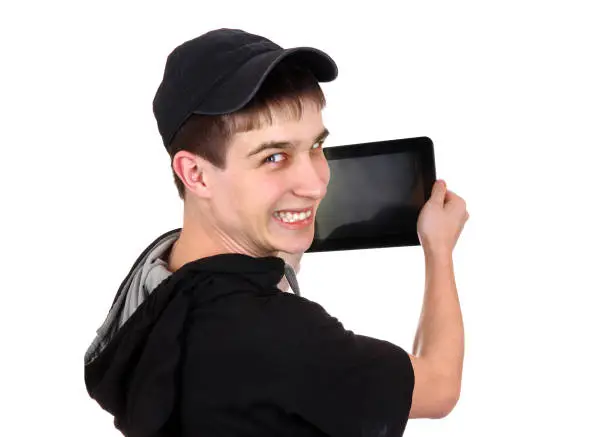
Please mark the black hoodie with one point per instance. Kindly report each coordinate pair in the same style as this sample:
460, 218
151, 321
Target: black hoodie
216, 349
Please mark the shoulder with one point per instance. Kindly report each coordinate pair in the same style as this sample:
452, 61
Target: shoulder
313, 332
299, 314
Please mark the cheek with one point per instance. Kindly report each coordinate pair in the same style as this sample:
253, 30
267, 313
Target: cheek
263, 197
235, 204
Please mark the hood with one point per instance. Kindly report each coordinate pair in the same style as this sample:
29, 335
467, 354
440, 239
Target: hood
122, 341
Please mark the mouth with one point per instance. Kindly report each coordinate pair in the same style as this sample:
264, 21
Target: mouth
294, 215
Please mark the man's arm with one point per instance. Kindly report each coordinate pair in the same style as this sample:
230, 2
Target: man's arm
438, 350
439, 342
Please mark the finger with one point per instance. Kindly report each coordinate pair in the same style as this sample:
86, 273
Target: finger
438, 192
455, 199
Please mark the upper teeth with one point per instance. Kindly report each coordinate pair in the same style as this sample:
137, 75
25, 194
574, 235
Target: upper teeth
293, 217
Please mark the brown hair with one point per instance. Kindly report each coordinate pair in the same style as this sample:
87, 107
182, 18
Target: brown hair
208, 136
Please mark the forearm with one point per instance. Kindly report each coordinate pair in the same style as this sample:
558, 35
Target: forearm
440, 338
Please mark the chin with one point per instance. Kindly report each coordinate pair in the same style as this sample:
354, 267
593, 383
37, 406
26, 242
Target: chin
295, 248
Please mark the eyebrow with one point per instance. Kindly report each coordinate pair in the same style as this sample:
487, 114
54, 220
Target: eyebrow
284, 144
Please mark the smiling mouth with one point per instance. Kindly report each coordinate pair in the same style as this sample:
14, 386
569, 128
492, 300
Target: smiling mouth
293, 217
295, 211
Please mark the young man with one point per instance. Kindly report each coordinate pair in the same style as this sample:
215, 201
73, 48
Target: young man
200, 340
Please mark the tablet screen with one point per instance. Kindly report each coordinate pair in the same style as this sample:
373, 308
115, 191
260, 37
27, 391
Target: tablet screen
375, 194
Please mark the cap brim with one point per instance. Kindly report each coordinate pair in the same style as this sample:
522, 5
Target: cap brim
239, 88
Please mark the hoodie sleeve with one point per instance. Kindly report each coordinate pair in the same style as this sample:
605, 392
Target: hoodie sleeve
348, 384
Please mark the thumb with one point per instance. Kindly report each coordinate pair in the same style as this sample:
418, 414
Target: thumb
438, 192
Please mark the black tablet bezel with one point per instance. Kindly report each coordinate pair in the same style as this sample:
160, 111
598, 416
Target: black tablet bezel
423, 148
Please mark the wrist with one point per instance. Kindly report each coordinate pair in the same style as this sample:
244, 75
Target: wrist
438, 255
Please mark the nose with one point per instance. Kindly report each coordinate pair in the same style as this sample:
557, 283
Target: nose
311, 178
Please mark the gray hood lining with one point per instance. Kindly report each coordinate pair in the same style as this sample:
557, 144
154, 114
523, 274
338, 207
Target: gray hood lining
151, 271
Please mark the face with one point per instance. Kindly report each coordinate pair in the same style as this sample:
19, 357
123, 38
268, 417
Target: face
242, 199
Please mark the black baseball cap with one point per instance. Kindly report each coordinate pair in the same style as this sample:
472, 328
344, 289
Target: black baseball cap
220, 71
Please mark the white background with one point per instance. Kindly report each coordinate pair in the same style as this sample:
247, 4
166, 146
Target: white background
517, 97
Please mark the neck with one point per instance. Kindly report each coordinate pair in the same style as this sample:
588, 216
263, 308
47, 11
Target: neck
200, 239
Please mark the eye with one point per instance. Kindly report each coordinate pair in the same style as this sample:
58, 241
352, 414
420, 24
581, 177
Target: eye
266, 160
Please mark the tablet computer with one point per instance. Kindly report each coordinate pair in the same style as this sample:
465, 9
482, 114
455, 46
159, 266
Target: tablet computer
375, 194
